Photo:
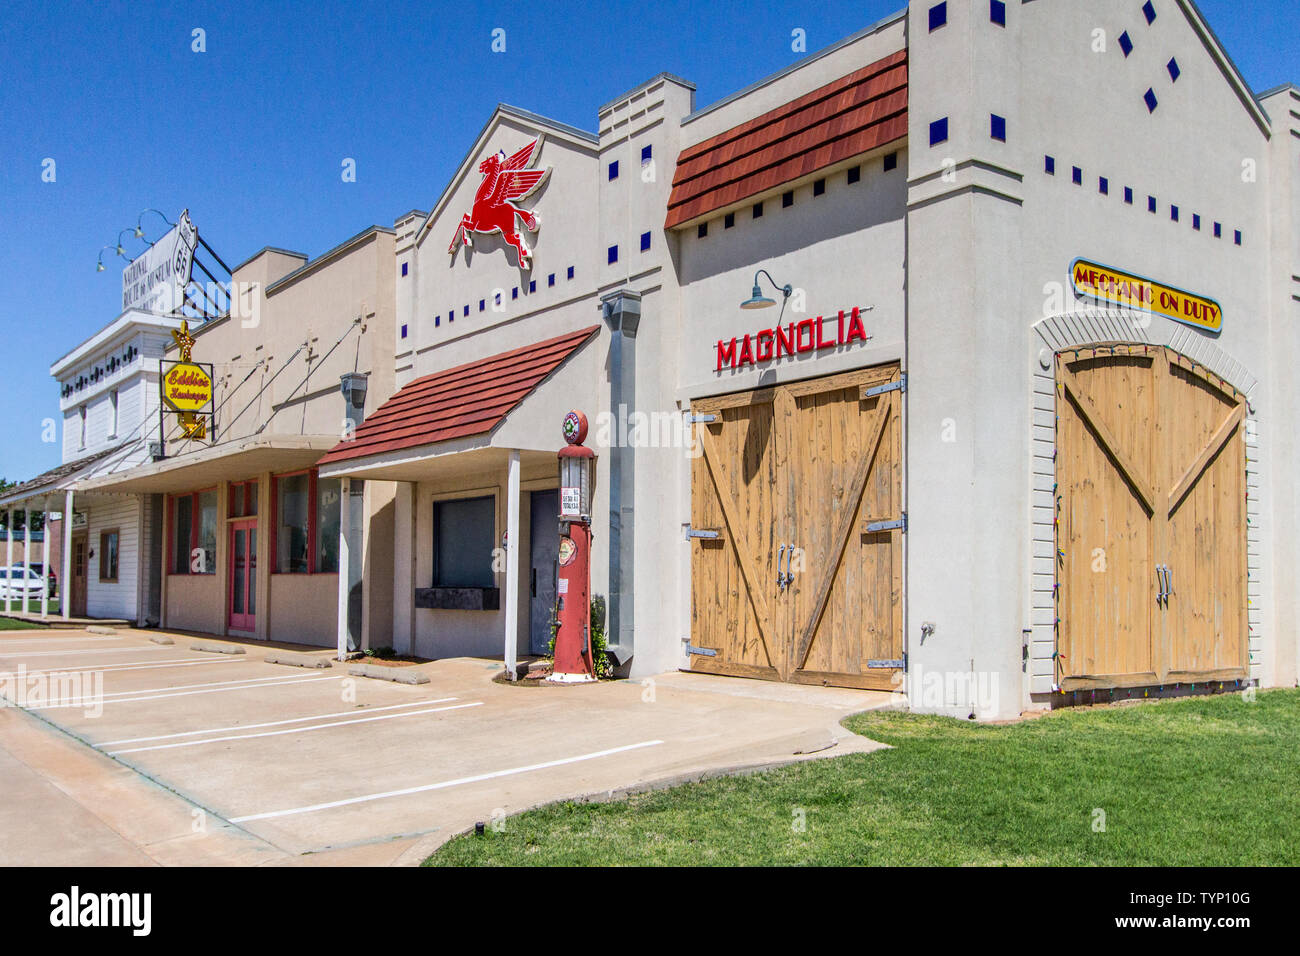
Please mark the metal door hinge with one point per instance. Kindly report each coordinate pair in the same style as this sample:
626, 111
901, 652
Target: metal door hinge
900, 663
896, 524
899, 386
700, 533
700, 651
700, 419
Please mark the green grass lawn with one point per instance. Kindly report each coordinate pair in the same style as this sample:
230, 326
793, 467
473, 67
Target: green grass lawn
1201, 781
13, 624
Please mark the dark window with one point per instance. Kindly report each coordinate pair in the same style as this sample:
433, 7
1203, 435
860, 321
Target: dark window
891, 161
550, 280
758, 210
728, 220
435, 322
1128, 195
108, 555
938, 16
998, 127
819, 187
939, 131
1174, 71
613, 171
787, 199
532, 286
855, 174
329, 495
514, 293
243, 499
645, 242
467, 310
1149, 97
405, 266
194, 533
293, 524
998, 12
1126, 43
1236, 237
1196, 221
1218, 230
645, 154
1152, 205
1149, 11
482, 304
1103, 186
701, 230
1049, 165
611, 255
1173, 213
1076, 174
570, 273
464, 536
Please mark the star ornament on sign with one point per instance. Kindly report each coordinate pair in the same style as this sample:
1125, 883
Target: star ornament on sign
184, 341
505, 180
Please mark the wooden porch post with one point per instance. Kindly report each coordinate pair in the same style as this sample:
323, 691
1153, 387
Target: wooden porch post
66, 603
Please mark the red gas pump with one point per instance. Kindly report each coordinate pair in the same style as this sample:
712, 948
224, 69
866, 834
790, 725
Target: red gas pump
573, 662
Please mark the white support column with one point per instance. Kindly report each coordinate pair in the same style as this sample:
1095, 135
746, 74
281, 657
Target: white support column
512, 564
27, 554
9, 562
66, 603
345, 559
404, 568
45, 559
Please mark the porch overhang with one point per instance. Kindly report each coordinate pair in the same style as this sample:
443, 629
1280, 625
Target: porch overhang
229, 461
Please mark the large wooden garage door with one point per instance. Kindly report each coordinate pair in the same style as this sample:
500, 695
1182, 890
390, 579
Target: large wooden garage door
1151, 560
802, 486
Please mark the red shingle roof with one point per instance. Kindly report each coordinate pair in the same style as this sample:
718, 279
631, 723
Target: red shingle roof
852, 115
467, 400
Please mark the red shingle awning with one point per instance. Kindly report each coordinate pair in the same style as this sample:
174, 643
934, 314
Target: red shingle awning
460, 402
852, 115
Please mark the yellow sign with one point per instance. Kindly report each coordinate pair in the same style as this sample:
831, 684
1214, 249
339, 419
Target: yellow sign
187, 388
1134, 292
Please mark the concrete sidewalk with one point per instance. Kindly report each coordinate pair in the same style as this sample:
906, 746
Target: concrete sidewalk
295, 766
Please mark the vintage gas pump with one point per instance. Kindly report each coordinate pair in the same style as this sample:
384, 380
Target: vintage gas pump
573, 661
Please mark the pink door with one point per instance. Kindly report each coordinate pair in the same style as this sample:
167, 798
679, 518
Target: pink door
243, 575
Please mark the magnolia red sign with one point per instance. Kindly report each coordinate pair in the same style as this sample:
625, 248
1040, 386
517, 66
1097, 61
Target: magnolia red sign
808, 335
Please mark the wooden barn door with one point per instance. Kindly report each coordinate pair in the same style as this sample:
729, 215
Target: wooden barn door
796, 496
1151, 510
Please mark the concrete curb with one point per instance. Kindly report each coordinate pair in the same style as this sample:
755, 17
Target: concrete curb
97, 629
297, 660
218, 648
162, 639
401, 675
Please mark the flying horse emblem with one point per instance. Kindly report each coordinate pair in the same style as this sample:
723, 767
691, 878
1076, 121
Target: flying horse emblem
505, 179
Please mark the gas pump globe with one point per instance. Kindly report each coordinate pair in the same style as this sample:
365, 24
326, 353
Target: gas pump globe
573, 660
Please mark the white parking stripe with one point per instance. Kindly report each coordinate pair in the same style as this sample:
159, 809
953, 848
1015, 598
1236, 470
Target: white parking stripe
273, 723
133, 666
443, 785
188, 693
151, 690
292, 730
52, 640
82, 650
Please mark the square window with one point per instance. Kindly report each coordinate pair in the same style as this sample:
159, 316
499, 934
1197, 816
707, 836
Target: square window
532, 286
1149, 11
855, 174
939, 131
1126, 43
451, 315
1236, 237
819, 187
1174, 71
998, 12
1152, 205
550, 280
1103, 186
613, 171
645, 242
998, 127
1076, 174
435, 322
570, 272
1173, 213
1196, 221
482, 304
405, 267
701, 230
645, 154
938, 16
467, 310
891, 161
728, 220
1128, 195
611, 256
1149, 97
787, 198
1218, 230
758, 210
464, 535
514, 293
1049, 165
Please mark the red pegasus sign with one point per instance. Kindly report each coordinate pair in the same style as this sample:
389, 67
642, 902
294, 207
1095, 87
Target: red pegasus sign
504, 180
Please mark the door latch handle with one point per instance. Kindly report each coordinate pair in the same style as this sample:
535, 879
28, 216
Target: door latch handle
1160, 583
789, 558
1169, 583
780, 578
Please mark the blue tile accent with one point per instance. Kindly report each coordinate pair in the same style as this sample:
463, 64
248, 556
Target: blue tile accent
998, 12
998, 127
532, 286
939, 131
1236, 237
1149, 11
1076, 174
1126, 43
645, 241
570, 272
1196, 221
1128, 195
1152, 205
645, 154
514, 293
1049, 165
1218, 230
1103, 186
435, 322
1174, 71
405, 266
482, 304
701, 230
1150, 98
613, 171
938, 16
550, 280
467, 310
1173, 213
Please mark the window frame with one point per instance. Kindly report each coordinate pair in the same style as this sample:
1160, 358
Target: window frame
313, 520
117, 554
468, 494
195, 526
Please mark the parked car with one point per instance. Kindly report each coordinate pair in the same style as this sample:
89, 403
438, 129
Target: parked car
15, 585
54, 578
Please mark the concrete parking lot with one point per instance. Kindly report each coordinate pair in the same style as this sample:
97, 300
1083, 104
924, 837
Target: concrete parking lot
122, 750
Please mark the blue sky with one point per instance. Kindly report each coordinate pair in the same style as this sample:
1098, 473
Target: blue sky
250, 135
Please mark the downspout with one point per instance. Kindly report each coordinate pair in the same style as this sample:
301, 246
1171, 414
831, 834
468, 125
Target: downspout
621, 310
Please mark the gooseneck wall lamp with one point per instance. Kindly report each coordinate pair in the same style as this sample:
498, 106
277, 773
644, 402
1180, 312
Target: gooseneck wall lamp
758, 301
